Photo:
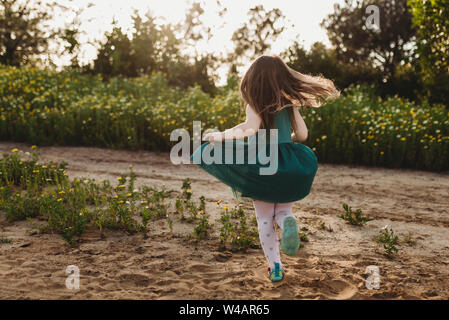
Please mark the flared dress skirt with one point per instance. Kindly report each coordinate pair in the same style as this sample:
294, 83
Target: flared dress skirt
291, 181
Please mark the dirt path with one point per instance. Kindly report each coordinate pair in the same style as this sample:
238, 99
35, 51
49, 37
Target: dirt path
169, 266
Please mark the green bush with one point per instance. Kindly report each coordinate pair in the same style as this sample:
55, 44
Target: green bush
48, 108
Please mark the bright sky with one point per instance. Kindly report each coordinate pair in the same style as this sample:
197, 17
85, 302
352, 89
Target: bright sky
304, 15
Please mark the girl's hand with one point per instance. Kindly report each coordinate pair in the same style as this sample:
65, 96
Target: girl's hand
214, 136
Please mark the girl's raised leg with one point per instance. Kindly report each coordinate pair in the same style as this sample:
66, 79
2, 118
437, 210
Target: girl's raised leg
285, 219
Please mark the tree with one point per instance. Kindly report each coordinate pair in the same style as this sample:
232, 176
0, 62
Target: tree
320, 60
26, 31
256, 36
431, 20
152, 48
115, 55
386, 48
22, 35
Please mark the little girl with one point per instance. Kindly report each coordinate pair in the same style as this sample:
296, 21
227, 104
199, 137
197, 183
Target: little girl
272, 92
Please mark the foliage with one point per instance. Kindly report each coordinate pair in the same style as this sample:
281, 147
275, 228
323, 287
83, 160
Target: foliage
360, 128
389, 240
26, 31
154, 48
47, 108
431, 20
235, 229
320, 60
354, 218
254, 37
356, 44
5, 240
30, 190
201, 230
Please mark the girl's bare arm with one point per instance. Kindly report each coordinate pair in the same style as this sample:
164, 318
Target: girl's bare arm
242, 130
301, 132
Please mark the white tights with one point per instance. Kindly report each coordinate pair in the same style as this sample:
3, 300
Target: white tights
266, 214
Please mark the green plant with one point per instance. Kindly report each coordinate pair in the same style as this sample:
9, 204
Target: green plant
226, 226
236, 230
408, 239
388, 239
353, 218
5, 240
73, 206
201, 230
322, 226
303, 237
187, 189
170, 223
142, 112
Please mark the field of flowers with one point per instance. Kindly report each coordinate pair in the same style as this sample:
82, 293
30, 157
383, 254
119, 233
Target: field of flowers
42, 107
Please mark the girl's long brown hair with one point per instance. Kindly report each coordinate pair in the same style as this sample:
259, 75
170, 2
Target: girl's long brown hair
270, 85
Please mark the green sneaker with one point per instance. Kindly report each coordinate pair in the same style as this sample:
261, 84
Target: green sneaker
277, 274
290, 242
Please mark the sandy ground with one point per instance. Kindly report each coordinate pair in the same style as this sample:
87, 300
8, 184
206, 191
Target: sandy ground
169, 266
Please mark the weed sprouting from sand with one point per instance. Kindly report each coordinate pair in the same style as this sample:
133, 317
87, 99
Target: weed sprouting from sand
202, 229
322, 226
186, 207
187, 188
235, 231
303, 237
5, 240
170, 223
389, 240
409, 240
353, 218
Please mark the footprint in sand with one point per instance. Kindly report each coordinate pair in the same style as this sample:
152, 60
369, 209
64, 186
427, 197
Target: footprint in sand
132, 279
337, 289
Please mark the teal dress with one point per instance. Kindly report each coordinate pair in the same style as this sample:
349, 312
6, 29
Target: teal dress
296, 165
